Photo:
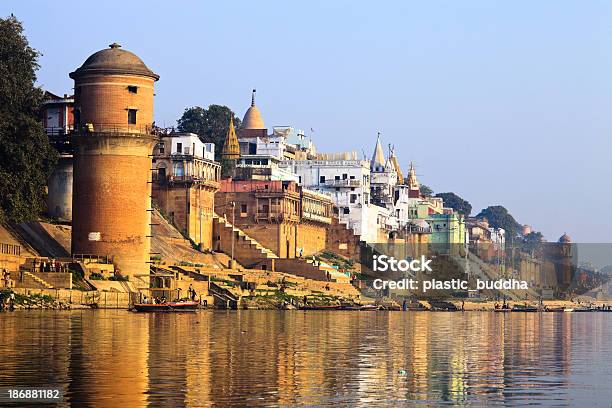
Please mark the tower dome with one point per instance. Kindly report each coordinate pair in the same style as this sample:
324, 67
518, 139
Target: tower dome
565, 239
252, 117
113, 60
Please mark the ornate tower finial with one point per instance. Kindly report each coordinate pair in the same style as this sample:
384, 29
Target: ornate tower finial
114, 45
253, 97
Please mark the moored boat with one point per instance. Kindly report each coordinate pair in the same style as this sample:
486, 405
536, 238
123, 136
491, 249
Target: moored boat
320, 307
166, 307
524, 308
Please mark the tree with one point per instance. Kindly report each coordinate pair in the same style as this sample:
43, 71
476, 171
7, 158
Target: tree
26, 157
457, 203
499, 217
210, 124
532, 242
426, 191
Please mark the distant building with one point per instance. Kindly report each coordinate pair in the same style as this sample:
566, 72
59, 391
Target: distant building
57, 113
383, 178
185, 180
282, 216
58, 120
348, 183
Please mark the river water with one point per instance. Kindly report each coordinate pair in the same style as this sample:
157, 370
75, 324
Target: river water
111, 358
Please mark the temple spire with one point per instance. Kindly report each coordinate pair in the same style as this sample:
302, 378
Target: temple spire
253, 97
231, 148
378, 158
413, 183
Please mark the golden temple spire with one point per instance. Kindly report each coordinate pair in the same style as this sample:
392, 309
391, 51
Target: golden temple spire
231, 148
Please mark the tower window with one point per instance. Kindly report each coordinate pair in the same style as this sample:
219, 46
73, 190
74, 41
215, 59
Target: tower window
132, 89
131, 116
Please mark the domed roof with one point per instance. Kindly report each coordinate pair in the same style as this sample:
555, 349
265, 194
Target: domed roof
565, 239
252, 117
114, 60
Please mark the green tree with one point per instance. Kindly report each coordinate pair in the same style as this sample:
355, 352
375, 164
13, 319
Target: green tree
210, 124
499, 217
532, 242
457, 203
426, 191
26, 158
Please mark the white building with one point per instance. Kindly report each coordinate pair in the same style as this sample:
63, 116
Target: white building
384, 178
348, 183
182, 156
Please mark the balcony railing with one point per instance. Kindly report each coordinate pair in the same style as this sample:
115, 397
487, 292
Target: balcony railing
343, 183
316, 217
185, 179
275, 192
87, 128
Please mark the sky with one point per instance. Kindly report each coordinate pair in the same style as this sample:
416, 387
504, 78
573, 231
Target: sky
503, 103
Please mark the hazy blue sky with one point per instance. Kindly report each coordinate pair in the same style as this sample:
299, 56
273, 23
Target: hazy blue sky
501, 102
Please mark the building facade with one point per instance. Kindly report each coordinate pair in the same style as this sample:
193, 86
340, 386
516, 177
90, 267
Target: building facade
283, 217
185, 180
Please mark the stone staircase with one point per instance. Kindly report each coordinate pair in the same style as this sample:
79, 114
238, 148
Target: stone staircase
477, 267
247, 250
28, 279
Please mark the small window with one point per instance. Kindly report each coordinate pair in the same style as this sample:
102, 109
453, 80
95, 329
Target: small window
346, 210
344, 176
131, 116
179, 148
132, 89
336, 177
162, 148
352, 177
353, 198
321, 179
243, 208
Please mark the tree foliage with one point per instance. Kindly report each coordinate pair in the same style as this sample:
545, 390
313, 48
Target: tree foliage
457, 203
499, 217
426, 191
26, 158
210, 124
532, 242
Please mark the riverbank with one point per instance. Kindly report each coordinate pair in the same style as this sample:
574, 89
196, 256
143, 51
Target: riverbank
38, 299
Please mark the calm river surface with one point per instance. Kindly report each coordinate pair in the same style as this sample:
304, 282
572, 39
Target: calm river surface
110, 358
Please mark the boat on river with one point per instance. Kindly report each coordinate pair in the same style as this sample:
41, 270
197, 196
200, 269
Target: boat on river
181, 306
524, 308
320, 307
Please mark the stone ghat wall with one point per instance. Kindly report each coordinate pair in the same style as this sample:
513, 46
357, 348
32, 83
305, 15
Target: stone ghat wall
103, 300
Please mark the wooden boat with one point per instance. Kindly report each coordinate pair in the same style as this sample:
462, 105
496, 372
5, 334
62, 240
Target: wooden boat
320, 307
360, 307
166, 307
524, 308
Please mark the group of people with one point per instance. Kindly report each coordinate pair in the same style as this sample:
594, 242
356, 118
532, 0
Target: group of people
153, 300
49, 266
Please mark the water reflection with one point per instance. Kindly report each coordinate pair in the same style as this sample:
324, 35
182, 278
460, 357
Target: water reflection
104, 358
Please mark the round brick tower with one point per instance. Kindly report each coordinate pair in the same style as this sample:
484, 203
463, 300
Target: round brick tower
113, 141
